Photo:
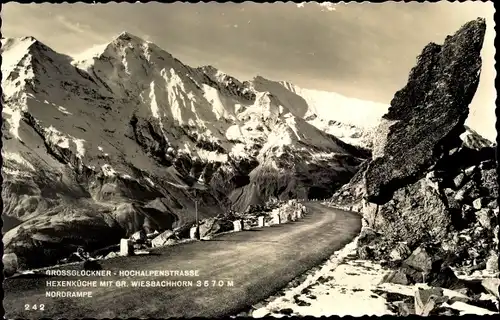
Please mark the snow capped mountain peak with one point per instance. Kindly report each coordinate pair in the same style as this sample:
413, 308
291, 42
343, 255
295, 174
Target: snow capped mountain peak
474, 140
169, 112
131, 41
350, 119
8, 43
129, 37
16, 49
123, 50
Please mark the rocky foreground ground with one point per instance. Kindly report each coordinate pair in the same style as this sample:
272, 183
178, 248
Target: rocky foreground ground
349, 285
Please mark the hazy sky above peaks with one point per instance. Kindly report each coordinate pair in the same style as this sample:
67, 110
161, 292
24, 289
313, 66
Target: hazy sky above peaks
362, 50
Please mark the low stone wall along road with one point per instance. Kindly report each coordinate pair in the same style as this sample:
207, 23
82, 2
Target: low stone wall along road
207, 278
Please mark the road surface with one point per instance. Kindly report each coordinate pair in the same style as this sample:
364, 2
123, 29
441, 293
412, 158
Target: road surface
247, 267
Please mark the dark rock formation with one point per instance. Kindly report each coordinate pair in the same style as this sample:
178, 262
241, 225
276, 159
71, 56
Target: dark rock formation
426, 183
213, 226
427, 116
425, 264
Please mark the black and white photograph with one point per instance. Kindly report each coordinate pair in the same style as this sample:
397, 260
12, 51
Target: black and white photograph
249, 159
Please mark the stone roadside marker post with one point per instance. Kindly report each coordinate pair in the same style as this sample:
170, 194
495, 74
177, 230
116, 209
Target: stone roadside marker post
192, 233
126, 247
299, 214
261, 221
237, 225
276, 218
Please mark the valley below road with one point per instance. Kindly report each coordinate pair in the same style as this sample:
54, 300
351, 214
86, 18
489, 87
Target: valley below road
242, 269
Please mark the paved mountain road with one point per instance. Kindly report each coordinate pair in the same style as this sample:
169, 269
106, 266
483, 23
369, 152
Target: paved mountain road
258, 262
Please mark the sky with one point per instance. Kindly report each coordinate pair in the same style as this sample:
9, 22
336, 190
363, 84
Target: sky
361, 50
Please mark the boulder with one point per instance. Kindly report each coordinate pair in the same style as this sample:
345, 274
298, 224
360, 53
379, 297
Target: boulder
152, 235
162, 238
415, 212
428, 114
396, 276
412, 275
470, 171
485, 217
478, 203
460, 195
492, 285
420, 260
489, 182
471, 191
213, 226
458, 180
261, 313
400, 252
405, 308
423, 267
493, 204
111, 255
365, 253
139, 236
443, 277
10, 264
492, 262
426, 300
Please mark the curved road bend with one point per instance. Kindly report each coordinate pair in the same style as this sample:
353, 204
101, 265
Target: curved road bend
259, 262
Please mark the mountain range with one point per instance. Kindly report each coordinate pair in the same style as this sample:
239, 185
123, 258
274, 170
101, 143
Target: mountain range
100, 145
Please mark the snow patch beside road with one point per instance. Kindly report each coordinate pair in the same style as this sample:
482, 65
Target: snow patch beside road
346, 286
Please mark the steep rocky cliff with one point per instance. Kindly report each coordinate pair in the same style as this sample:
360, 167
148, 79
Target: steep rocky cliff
430, 180
101, 145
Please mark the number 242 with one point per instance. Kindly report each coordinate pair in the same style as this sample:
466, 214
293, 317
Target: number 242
34, 307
